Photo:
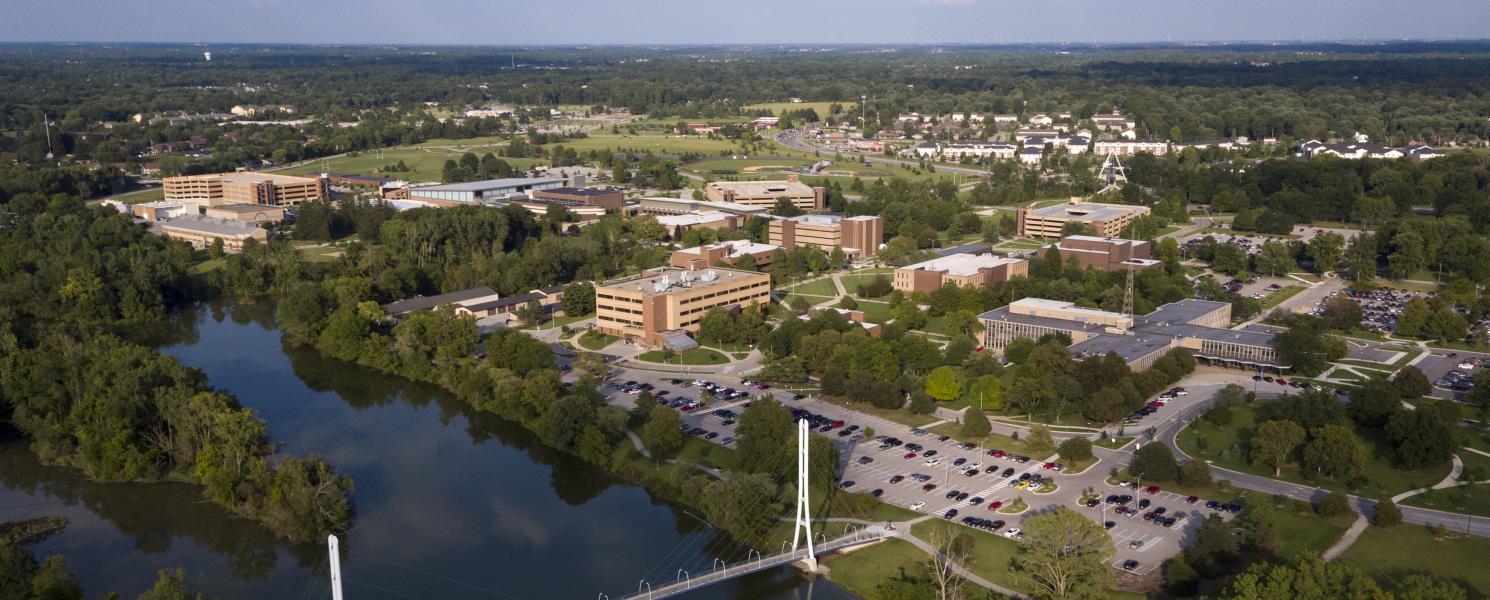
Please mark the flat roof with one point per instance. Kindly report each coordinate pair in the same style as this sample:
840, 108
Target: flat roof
162, 204
490, 184
729, 207
737, 248
1131, 347
670, 280
1091, 211
1002, 314
965, 249
255, 176
693, 218
572, 191
764, 188
1109, 240
963, 265
209, 225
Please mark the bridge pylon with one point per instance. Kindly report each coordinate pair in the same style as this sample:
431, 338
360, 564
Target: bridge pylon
802, 529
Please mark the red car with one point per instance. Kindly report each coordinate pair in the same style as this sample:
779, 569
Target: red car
910, 455
1120, 510
1153, 489
1148, 516
1192, 499
928, 487
999, 454
995, 505
1048, 466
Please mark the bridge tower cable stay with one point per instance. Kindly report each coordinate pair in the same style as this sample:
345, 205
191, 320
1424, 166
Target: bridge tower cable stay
803, 525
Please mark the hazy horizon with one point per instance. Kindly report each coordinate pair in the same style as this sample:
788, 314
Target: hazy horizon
765, 22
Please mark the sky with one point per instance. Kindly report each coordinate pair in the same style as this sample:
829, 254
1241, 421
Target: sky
797, 22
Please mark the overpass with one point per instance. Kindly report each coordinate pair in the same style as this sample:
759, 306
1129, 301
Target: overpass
686, 581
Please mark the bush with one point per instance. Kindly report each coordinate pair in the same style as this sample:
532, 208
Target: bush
1195, 473
1334, 504
1386, 514
1076, 448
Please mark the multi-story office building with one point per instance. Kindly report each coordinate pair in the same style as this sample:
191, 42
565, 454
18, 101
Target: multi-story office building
1108, 219
246, 187
1196, 325
1106, 254
963, 270
612, 200
201, 231
764, 194
664, 305
858, 236
247, 213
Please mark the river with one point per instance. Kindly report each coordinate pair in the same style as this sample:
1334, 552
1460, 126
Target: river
451, 504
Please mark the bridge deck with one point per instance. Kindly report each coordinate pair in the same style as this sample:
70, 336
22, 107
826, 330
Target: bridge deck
688, 582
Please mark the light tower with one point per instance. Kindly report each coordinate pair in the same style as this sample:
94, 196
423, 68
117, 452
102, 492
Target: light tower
1113, 171
803, 525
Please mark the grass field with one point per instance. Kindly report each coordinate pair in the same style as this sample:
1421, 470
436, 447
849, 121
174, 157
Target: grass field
1384, 480
745, 165
706, 453
142, 196
898, 415
1279, 296
990, 553
820, 287
875, 312
425, 161
1407, 549
594, 340
863, 570
821, 108
317, 253
992, 441
696, 356
1467, 499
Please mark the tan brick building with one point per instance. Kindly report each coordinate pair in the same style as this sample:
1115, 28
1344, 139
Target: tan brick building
1106, 254
247, 213
964, 270
246, 187
858, 236
1108, 219
646, 307
731, 252
610, 200
201, 231
765, 193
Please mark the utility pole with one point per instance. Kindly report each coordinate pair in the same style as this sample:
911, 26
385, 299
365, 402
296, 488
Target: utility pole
335, 559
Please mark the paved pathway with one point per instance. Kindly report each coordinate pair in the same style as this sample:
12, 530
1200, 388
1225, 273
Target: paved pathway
1450, 480
1348, 538
958, 569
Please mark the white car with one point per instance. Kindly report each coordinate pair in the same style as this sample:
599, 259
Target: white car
1464, 366
975, 466
1011, 533
1182, 393
918, 505
932, 462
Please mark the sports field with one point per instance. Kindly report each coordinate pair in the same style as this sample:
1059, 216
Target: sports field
777, 108
424, 161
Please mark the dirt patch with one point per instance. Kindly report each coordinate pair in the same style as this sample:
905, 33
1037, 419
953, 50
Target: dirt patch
763, 168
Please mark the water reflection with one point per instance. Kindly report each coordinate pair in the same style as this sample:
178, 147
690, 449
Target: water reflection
451, 503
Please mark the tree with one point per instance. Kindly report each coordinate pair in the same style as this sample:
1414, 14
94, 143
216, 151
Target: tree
985, 393
1274, 442
1195, 473
579, 299
1275, 259
765, 438
1064, 556
1155, 462
1214, 550
974, 423
716, 327
1414, 316
1385, 514
1373, 403
1342, 312
216, 249
1335, 452
1420, 438
951, 551
942, 384
663, 433
1076, 449
1018, 350
1306, 576
1334, 504
1326, 250
1039, 442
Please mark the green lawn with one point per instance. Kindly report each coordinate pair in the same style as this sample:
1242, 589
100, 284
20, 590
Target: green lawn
314, 253
875, 312
1467, 499
425, 161
1384, 480
990, 555
746, 165
562, 321
1407, 549
820, 287
1109, 443
1276, 298
706, 453
990, 441
696, 356
863, 570
852, 282
142, 196
594, 340
821, 108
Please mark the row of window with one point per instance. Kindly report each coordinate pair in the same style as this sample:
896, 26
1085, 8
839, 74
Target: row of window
724, 293
632, 311
619, 298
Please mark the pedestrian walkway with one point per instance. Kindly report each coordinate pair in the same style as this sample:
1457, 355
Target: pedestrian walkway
1348, 538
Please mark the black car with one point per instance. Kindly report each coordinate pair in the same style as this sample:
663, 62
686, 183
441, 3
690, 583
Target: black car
962, 496
951, 513
1142, 504
1109, 524
877, 492
959, 462
846, 485
929, 453
1130, 564
1009, 472
952, 494
864, 460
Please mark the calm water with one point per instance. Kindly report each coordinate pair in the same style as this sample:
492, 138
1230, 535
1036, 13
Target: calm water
450, 504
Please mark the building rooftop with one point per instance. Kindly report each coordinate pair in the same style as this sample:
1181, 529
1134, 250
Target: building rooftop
209, 225
737, 248
670, 280
1131, 347
705, 205
255, 177
764, 188
1110, 240
491, 184
965, 249
1003, 313
162, 204
572, 191
963, 265
692, 218
1087, 211
428, 302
